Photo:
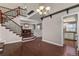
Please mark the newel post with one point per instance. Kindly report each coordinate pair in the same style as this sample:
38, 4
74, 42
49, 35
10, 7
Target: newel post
1, 18
18, 11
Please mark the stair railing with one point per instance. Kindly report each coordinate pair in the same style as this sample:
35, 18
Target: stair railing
16, 12
9, 23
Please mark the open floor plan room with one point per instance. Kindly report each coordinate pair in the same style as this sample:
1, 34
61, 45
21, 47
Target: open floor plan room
39, 29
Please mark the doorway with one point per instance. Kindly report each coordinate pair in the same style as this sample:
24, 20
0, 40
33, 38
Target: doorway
70, 33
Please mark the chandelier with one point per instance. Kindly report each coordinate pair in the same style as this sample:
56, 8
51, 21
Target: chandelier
42, 10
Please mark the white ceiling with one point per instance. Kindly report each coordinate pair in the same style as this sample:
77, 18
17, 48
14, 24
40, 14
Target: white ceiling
54, 8
29, 21
33, 6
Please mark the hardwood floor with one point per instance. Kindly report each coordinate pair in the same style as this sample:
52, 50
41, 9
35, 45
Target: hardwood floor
70, 48
71, 43
78, 53
34, 48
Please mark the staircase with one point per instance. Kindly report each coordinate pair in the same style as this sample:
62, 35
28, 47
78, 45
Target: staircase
9, 36
11, 31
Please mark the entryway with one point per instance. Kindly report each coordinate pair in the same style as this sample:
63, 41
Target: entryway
70, 34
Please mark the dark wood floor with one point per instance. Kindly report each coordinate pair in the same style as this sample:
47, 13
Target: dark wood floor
71, 43
70, 48
35, 48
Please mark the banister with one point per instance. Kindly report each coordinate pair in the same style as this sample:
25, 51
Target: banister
12, 20
18, 13
10, 10
15, 9
1, 18
4, 18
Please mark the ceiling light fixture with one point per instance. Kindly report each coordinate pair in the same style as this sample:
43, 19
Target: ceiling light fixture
42, 10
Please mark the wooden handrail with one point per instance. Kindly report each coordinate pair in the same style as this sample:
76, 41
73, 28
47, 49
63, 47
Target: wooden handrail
12, 20
13, 10
16, 9
10, 10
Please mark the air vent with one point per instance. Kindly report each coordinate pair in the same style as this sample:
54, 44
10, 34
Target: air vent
29, 13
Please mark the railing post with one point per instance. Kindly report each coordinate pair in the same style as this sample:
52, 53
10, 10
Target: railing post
1, 18
18, 11
22, 31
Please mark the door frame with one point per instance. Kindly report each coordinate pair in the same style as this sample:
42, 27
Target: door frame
62, 35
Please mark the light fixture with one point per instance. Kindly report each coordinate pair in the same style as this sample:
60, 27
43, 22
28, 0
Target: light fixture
45, 13
40, 13
47, 8
42, 10
41, 7
38, 10
25, 7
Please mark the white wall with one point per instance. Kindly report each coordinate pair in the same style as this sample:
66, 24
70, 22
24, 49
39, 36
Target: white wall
49, 27
78, 32
0, 34
52, 29
37, 31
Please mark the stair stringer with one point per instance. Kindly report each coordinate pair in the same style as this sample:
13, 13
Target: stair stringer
8, 36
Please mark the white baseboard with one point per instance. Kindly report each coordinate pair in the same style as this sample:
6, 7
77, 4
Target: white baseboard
77, 49
28, 40
52, 43
12, 42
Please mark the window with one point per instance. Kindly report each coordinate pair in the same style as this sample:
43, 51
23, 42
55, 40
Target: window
70, 27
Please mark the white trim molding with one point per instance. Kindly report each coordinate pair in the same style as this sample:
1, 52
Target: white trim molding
77, 49
12, 42
52, 43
